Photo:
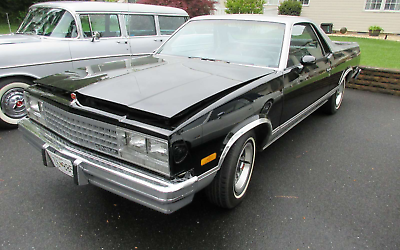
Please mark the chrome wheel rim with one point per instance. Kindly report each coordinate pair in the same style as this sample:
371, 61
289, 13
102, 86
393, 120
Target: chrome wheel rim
12, 103
339, 95
244, 167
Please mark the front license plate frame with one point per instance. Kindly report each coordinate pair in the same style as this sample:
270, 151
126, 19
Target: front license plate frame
62, 164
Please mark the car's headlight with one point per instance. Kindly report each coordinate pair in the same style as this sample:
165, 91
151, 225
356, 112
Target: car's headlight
144, 150
34, 108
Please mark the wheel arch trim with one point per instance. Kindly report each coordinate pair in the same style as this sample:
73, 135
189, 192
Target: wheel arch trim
239, 133
345, 74
23, 75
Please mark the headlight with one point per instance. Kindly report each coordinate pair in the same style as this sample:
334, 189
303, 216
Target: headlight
34, 108
144, 150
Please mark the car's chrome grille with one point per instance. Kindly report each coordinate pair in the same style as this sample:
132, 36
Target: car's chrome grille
84, 131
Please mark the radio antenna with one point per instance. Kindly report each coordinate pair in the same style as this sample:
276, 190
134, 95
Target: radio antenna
8, 20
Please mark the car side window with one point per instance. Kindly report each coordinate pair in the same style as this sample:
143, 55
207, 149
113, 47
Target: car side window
303, 42
140, 25
107, 25
168, 24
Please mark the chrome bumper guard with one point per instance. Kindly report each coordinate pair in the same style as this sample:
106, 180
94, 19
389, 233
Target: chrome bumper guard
144, 188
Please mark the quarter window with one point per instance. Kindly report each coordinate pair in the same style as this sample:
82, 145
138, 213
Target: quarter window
168, 24
107, 25
140, 25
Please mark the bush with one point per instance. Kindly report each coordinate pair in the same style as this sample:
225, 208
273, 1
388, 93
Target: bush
244, 6
343, 30
372, 28
290, 8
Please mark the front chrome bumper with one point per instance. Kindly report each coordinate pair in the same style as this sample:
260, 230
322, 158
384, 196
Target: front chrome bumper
142, 187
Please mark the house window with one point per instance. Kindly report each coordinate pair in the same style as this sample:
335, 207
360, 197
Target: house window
382, 5
272, 2
392, 5
304, 2
373, 5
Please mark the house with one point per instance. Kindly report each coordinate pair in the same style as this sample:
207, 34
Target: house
355, 15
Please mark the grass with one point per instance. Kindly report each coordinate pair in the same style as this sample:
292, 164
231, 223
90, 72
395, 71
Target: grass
5, 30
376, 53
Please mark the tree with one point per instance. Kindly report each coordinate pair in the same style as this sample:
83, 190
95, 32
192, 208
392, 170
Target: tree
16, 9
290, 8
244, 6
192, 7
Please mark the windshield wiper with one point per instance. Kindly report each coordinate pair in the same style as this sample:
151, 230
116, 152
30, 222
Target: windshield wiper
207, 59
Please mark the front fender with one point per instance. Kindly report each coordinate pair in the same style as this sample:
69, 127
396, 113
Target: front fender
257, 121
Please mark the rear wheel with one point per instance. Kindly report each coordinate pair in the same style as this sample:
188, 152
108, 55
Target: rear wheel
230, 184
12, 105
335, 101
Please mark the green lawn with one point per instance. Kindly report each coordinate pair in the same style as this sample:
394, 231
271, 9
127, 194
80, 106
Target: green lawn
376, 53
5, 30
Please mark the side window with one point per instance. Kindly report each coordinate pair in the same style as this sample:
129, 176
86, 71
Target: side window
107, 25
66, 27
140, 25
168, 24
303, 42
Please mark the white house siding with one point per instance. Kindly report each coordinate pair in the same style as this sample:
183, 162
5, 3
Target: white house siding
351, 14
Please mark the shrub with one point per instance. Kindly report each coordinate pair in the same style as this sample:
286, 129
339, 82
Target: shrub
343, 30
244, 6
372, 28
290, 8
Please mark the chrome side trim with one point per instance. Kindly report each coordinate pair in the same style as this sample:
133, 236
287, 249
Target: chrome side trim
73, 60
299, 117
238, 134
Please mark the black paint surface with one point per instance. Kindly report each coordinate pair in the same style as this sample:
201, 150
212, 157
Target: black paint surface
332, 182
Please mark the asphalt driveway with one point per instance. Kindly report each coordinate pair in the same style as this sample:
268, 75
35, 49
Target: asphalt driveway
332, 182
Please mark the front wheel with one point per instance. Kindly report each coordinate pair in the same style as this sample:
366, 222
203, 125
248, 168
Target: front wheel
12, 105
335, 101
230, 184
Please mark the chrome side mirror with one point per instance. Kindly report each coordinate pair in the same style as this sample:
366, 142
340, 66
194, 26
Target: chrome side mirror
308, 60
95, 36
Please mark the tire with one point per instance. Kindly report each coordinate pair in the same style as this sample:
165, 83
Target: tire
335, 101
12, 107
229, 186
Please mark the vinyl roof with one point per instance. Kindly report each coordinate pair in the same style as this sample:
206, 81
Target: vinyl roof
111, 7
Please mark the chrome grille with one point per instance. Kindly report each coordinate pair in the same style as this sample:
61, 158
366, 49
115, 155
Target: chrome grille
84, 131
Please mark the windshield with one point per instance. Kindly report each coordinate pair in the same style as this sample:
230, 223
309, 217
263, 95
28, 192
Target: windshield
236, 41
49, 22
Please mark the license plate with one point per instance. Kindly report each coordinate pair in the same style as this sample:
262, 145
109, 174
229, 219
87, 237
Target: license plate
62, 164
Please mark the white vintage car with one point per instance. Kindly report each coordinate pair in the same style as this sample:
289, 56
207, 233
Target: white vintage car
60, 36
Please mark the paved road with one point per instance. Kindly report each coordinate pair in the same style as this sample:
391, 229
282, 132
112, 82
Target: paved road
332, 182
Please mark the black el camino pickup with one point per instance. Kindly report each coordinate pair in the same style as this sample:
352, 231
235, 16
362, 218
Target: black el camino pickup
158, 129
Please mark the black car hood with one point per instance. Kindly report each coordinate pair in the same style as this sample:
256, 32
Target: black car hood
160, 86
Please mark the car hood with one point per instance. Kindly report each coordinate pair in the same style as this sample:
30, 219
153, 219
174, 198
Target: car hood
160, 86
18, 38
